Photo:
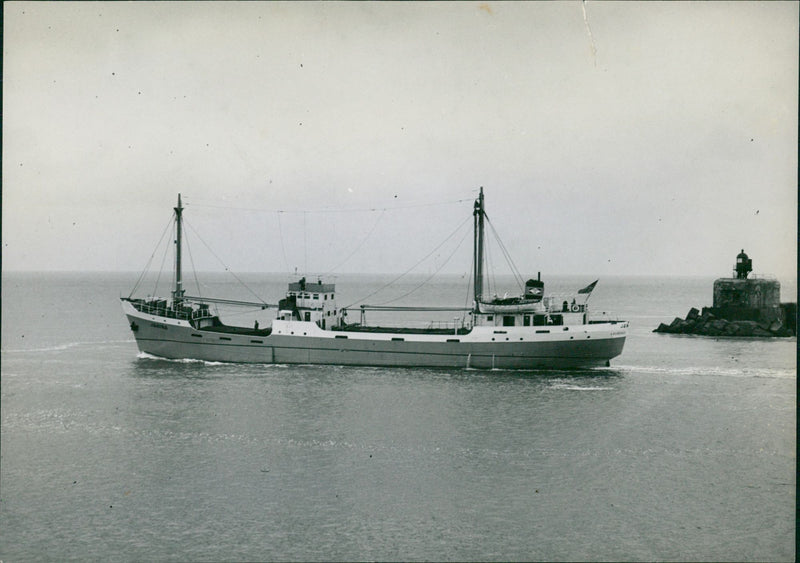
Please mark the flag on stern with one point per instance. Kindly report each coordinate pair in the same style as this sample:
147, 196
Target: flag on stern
588, 288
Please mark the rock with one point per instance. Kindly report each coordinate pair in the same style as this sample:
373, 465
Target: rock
777, 329
699, 327
719, 324
706, 324
708, 315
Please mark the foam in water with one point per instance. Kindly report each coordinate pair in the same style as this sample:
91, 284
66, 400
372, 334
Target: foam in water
66, 346
573, 387
779, 373
146, 356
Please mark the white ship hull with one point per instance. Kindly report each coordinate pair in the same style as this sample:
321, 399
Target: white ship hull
300, 342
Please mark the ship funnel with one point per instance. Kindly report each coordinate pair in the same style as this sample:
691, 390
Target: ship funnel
534, 289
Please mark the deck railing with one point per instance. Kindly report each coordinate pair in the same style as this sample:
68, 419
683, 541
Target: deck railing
555, 304
163, 309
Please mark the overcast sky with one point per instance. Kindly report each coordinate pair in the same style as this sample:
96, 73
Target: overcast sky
610, 138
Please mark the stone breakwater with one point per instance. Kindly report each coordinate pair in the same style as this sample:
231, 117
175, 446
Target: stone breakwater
707, 324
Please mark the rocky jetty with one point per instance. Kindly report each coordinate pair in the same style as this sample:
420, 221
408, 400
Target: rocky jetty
707, 324
744, 305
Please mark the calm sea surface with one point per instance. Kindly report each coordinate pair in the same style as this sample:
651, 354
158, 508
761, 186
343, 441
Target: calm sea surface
684, 449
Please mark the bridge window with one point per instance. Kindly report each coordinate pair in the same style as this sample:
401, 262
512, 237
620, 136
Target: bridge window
508, 320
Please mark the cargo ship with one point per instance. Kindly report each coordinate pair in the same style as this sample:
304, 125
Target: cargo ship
529, 331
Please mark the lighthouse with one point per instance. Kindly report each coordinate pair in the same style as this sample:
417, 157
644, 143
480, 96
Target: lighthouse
745, 296
743, 266
744, 305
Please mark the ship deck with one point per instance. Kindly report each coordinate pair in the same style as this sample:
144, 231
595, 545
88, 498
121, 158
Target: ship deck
246, 331
400, 330
227, 329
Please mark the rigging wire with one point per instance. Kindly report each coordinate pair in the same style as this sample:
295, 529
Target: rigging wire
466, 232
329, 210
164, 259
305, 212
305, 245
278, 212
227, 269
283, 248
507, 255
414, 266
194, 270
490, 279
469, 283
358, 247
150, 260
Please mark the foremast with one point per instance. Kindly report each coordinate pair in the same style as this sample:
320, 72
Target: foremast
177, 293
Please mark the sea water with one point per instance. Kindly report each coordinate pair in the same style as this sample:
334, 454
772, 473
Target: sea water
683, 449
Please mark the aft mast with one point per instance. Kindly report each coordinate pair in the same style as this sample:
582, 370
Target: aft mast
177, 294
478, 215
